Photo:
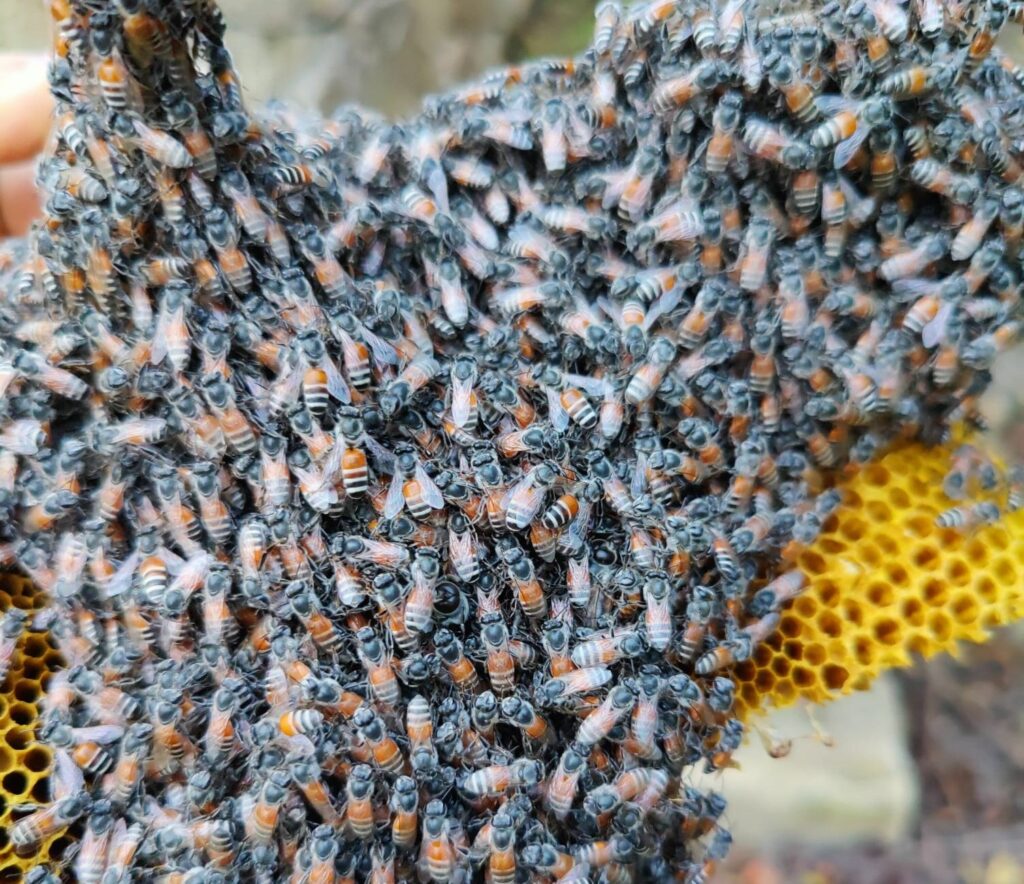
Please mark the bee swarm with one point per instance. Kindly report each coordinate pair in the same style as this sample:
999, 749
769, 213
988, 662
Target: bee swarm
405, 492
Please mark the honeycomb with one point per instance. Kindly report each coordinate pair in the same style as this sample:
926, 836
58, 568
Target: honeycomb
24, 762
885, 586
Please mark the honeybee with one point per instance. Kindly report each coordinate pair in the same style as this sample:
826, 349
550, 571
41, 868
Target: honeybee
676, 91
564, 782
41, 824
737, 647
526, 498
411, 487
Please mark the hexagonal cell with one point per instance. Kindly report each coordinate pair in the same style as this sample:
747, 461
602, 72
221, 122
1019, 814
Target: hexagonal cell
41, 790
935, 592
34, 645
813, 563
964, 608
868, 554
876, 474
791, 627
26, 690
940, 626
853, 528
56, 848
22, 713
835, 676
880, 595
830, 624
853, 611
851, 498
887, 631
18, 738
899, 498
828, 591
814, 654
1004, 571
806, 606
803, 677
925, 556
784, 692
958, 572
864, 650
37, 759
976, 553
921, 526
15, 782
912, 611
879, 511
898, 576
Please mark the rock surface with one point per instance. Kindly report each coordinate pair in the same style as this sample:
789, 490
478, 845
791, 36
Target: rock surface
384, 53
863, 787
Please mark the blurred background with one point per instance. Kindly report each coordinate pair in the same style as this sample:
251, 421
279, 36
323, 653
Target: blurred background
920, 779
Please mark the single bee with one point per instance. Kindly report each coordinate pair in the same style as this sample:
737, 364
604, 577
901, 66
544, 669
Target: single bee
411, 487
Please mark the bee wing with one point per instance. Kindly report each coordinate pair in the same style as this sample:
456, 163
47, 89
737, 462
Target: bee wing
173, 561
332, 463
122, 578
118, 836
431, 493
935, 330
590, 385
610, 310
830, 105
67, 777
382, 351
158, 346
846, 150
861, 207
461, 545
437, 181
663, 306
462, 388
750, 62
285, 389
383, 459
579, 570
395, 499
192, 574
559, 416
336, 385
914, 287
580, 526
104, 734
639, 482
45, 619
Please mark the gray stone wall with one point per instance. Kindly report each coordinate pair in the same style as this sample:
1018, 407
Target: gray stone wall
383, 53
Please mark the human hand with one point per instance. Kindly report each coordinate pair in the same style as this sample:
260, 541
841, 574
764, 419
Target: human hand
25, 115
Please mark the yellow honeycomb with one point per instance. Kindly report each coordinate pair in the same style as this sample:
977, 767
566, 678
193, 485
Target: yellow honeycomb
886, 585
24, 762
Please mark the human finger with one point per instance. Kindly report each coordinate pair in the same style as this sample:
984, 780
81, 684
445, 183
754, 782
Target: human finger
19, 199
25, 105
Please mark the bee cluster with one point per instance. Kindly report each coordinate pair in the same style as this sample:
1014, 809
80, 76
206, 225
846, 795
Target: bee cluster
405, 491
